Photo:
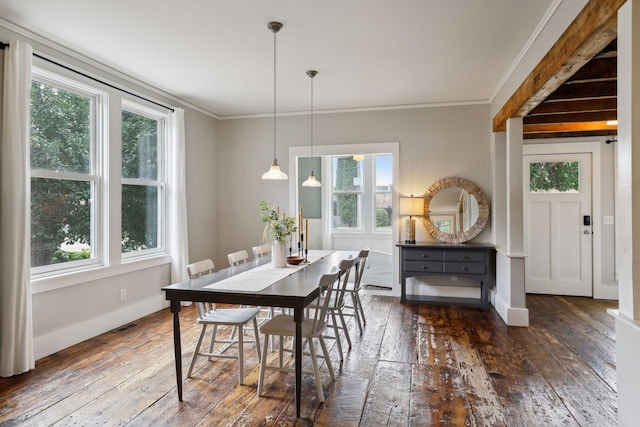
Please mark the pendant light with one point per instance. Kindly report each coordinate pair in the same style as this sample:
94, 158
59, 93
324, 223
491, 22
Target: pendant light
311, 181
274, 173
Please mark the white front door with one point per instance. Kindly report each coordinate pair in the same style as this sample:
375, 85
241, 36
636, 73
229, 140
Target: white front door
557, 224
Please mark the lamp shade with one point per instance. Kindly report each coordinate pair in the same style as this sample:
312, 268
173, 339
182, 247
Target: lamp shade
410, 206
274, 172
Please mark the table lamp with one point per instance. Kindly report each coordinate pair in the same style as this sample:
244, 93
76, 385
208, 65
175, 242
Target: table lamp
410, 206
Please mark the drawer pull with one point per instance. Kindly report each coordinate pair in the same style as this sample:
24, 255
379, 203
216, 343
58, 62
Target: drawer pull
425, 256
424, 267
464, 269
465, 257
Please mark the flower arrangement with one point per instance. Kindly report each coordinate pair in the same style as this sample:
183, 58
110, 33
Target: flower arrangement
278, 227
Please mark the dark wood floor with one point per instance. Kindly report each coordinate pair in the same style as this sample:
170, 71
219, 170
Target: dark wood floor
413, 366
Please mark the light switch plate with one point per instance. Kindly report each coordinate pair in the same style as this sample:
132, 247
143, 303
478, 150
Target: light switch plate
607, 219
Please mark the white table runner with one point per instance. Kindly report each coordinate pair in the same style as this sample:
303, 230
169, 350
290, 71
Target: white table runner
261, 277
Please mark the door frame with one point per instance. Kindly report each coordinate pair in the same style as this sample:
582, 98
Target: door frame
600, 291
350, 148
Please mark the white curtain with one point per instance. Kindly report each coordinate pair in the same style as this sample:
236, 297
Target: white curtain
16, 330
177, 199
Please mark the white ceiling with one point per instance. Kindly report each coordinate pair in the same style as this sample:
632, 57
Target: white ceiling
218, 54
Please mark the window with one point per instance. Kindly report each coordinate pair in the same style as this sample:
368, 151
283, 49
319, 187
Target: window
362, 193
64, 179
75, 222
554, 177
347, 191
383, 192
142, 180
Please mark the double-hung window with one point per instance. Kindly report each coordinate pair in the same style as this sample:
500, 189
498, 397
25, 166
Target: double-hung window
347, 193
65, 173
143, 189
98, 170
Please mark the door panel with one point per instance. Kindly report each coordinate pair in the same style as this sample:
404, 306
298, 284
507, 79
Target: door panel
557, 195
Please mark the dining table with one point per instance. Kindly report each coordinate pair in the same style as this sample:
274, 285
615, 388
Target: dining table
257, 283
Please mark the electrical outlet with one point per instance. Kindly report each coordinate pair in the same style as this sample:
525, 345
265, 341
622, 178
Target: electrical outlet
123, 294
454, 278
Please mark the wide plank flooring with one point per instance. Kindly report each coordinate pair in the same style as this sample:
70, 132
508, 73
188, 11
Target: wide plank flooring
414, 365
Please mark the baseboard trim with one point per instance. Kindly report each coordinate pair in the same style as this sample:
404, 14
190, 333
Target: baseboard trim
512, 316
57, 340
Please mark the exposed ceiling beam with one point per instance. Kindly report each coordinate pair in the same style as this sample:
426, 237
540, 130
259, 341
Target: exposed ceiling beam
577, 106
569, 127
589, 33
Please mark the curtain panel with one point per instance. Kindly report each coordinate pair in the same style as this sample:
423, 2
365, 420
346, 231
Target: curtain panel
16, 322
177, 199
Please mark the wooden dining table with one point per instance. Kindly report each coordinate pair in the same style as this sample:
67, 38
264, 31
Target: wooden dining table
295, 291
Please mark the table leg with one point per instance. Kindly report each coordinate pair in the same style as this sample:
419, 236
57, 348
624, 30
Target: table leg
298, 319
175, 309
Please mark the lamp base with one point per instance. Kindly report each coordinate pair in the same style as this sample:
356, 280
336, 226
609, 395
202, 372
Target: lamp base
410, 231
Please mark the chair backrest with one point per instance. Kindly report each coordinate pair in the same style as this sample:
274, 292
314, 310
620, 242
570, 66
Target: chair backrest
326, 283
362, 262
238, 257
198, 269
345, 267
260, 251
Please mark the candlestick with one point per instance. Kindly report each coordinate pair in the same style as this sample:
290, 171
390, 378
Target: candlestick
306, 227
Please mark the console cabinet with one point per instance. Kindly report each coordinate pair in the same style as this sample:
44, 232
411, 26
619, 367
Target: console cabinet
468, 260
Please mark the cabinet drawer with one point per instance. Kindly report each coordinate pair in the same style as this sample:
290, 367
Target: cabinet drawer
425, 266
425, 255
464, 256
464, 268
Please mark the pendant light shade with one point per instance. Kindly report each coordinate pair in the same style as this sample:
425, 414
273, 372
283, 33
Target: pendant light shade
274, 172
311, 181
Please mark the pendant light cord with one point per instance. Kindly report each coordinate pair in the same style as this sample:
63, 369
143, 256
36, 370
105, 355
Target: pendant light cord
274, 95
312, 117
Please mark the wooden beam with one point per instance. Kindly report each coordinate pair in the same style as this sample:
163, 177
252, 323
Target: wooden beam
567, 127
585, 91
580, 134
592, 30
597, 69
577, 106
598, 116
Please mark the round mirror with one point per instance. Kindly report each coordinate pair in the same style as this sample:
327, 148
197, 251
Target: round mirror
456, 210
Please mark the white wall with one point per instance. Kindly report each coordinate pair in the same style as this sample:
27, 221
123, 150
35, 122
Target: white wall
434, 143
88, 307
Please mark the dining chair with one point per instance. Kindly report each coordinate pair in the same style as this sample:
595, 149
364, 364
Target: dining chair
208, 314
337, 305
353, 289
237, 258
283, 325
261, 251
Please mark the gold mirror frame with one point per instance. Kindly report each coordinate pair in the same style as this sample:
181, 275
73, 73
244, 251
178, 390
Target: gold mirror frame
475, 191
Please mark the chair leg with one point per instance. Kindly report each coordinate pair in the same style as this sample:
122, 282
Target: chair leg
257, 335
197, 349
327, 360
364, 321
263, 364
241, 355
213, 340
273, 338
336, 332
316, 371
280, 351
344, 328
355, 310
